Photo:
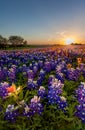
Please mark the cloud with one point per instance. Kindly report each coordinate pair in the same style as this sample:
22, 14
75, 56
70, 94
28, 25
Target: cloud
58, 36
61, 34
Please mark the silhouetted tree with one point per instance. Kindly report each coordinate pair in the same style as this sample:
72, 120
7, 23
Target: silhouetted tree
3, 42
25, 42
16, 40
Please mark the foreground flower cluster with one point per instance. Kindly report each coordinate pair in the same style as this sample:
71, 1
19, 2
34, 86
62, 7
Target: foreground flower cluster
54, 91
80, 92
12, 112
35, 106
32, 81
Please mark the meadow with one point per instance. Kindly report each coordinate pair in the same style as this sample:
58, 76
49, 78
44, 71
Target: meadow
43, 88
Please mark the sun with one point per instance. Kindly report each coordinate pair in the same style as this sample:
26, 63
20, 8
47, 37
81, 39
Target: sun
68, 41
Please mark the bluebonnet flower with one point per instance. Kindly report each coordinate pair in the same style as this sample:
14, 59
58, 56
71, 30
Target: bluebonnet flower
14, 67
30, 74
39, 81
32, 84
53, 65
31, 66
1, 75
80, 93
35, 69
41, 92
52, 97
56, 84
36, 106
5, 70
59, 59
84, 73
3, 90
12, 75
27, 111
42, 73
82, 66
58, 69
72, 74
41, 77
47, 66
40, 63
62, 103
80, 109
51, 79
80, 112
11, 113
54, 90
23, 69
60, 76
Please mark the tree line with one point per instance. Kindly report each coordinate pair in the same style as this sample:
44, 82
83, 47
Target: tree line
12, 41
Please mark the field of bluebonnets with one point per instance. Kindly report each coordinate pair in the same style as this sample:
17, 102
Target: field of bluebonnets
42, 89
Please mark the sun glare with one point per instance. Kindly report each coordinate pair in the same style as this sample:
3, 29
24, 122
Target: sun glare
68, 41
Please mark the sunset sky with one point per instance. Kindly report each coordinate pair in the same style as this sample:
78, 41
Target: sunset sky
43, 21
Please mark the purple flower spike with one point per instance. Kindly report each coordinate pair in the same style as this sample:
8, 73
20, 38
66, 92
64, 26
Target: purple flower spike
3, 90
11, 113
35, 106
80, 109
41, 92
